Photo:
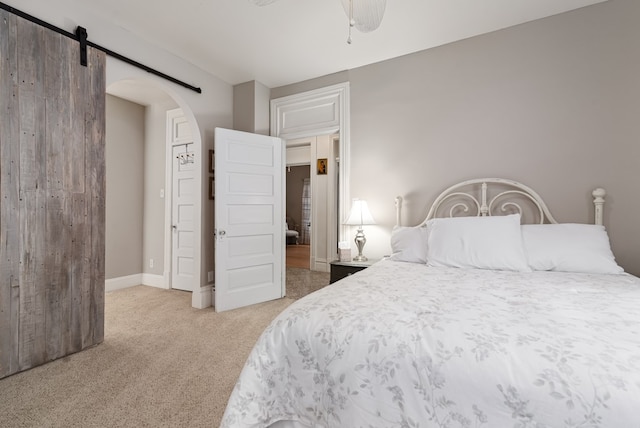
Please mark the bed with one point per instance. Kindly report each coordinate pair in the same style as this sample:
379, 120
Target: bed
476, 320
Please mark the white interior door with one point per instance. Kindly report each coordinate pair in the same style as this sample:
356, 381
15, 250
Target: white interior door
182, 209
249, 219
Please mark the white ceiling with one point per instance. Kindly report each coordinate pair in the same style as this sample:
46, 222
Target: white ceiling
292, 40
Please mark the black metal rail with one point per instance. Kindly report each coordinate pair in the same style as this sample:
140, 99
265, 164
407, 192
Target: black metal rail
81, 37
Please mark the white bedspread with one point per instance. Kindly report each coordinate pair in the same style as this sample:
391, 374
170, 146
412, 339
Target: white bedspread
405, 345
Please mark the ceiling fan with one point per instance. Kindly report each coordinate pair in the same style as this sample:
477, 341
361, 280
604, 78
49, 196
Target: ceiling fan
364, 15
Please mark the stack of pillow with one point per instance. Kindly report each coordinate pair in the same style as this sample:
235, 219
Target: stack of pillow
501, 243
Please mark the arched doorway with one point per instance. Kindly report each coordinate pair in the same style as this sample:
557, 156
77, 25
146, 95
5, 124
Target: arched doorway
150, 173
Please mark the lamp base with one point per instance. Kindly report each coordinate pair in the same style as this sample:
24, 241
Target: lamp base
360, 241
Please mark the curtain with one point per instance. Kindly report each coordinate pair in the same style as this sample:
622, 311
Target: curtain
305, 232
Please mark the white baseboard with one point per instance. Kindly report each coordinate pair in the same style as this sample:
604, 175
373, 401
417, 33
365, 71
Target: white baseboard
202, 298
153, 280
119, 283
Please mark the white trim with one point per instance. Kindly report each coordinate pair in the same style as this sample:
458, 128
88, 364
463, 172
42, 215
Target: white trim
128, 281
121, 282
598, 202
168, 195
340, 92
203, 297
197, 300
153, 280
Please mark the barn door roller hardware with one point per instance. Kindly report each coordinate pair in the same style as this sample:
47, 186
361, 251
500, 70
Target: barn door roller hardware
81, 33
81, 37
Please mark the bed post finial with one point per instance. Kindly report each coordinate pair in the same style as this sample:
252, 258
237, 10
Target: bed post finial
398, 210
598, 201
484, 209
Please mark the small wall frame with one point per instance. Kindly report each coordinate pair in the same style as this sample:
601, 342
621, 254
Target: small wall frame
322, 167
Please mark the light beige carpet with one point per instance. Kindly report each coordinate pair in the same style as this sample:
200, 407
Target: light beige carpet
301, 282
162, 363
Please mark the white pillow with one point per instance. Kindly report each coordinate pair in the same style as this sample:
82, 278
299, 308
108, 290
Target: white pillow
409, 244
477, 242
569, 247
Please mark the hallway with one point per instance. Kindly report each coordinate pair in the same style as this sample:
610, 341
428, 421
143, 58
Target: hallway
298, 256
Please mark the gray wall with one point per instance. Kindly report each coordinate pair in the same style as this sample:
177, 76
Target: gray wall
124, 201
251, 107
244, 106
553, 103
136, 144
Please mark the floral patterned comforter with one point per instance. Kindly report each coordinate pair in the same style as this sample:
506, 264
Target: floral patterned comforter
406, 345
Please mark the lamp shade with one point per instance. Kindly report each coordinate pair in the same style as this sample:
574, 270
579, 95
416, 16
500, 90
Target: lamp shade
360, 214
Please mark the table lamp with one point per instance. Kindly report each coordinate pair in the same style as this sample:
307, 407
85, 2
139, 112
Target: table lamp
360, 216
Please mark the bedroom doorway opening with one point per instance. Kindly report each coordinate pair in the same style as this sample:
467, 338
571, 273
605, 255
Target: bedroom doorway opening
298, 216
312, 198
141, 253
320, 115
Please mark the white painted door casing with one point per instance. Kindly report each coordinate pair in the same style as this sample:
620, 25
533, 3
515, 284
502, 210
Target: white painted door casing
320, 112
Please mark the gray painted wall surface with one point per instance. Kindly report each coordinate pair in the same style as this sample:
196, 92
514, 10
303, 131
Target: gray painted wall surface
553, 103
244, 107
124, 202
136, 144
251, 107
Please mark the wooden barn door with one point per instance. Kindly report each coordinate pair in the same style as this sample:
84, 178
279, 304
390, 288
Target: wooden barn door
52, 196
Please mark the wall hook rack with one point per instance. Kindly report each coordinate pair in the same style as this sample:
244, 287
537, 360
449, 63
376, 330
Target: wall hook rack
187, 156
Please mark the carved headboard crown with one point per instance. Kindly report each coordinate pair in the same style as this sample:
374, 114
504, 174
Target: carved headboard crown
495, 196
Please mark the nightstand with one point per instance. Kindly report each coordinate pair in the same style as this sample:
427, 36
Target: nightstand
340, 269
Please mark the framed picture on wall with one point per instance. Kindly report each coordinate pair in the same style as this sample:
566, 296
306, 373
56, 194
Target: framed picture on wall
322, 166
212, 161
212, 188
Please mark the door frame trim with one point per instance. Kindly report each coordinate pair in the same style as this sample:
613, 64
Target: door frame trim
168, 202
168, 196
281, 107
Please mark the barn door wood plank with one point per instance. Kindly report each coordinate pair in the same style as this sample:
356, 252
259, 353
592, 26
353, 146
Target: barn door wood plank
30, 43
96, 184
95, 135
53, 268
82, 215
80, 283
9, 197
63, 148
74, 153
55, 205
37, 201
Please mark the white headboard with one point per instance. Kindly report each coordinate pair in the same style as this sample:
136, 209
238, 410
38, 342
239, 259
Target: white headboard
496, 196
